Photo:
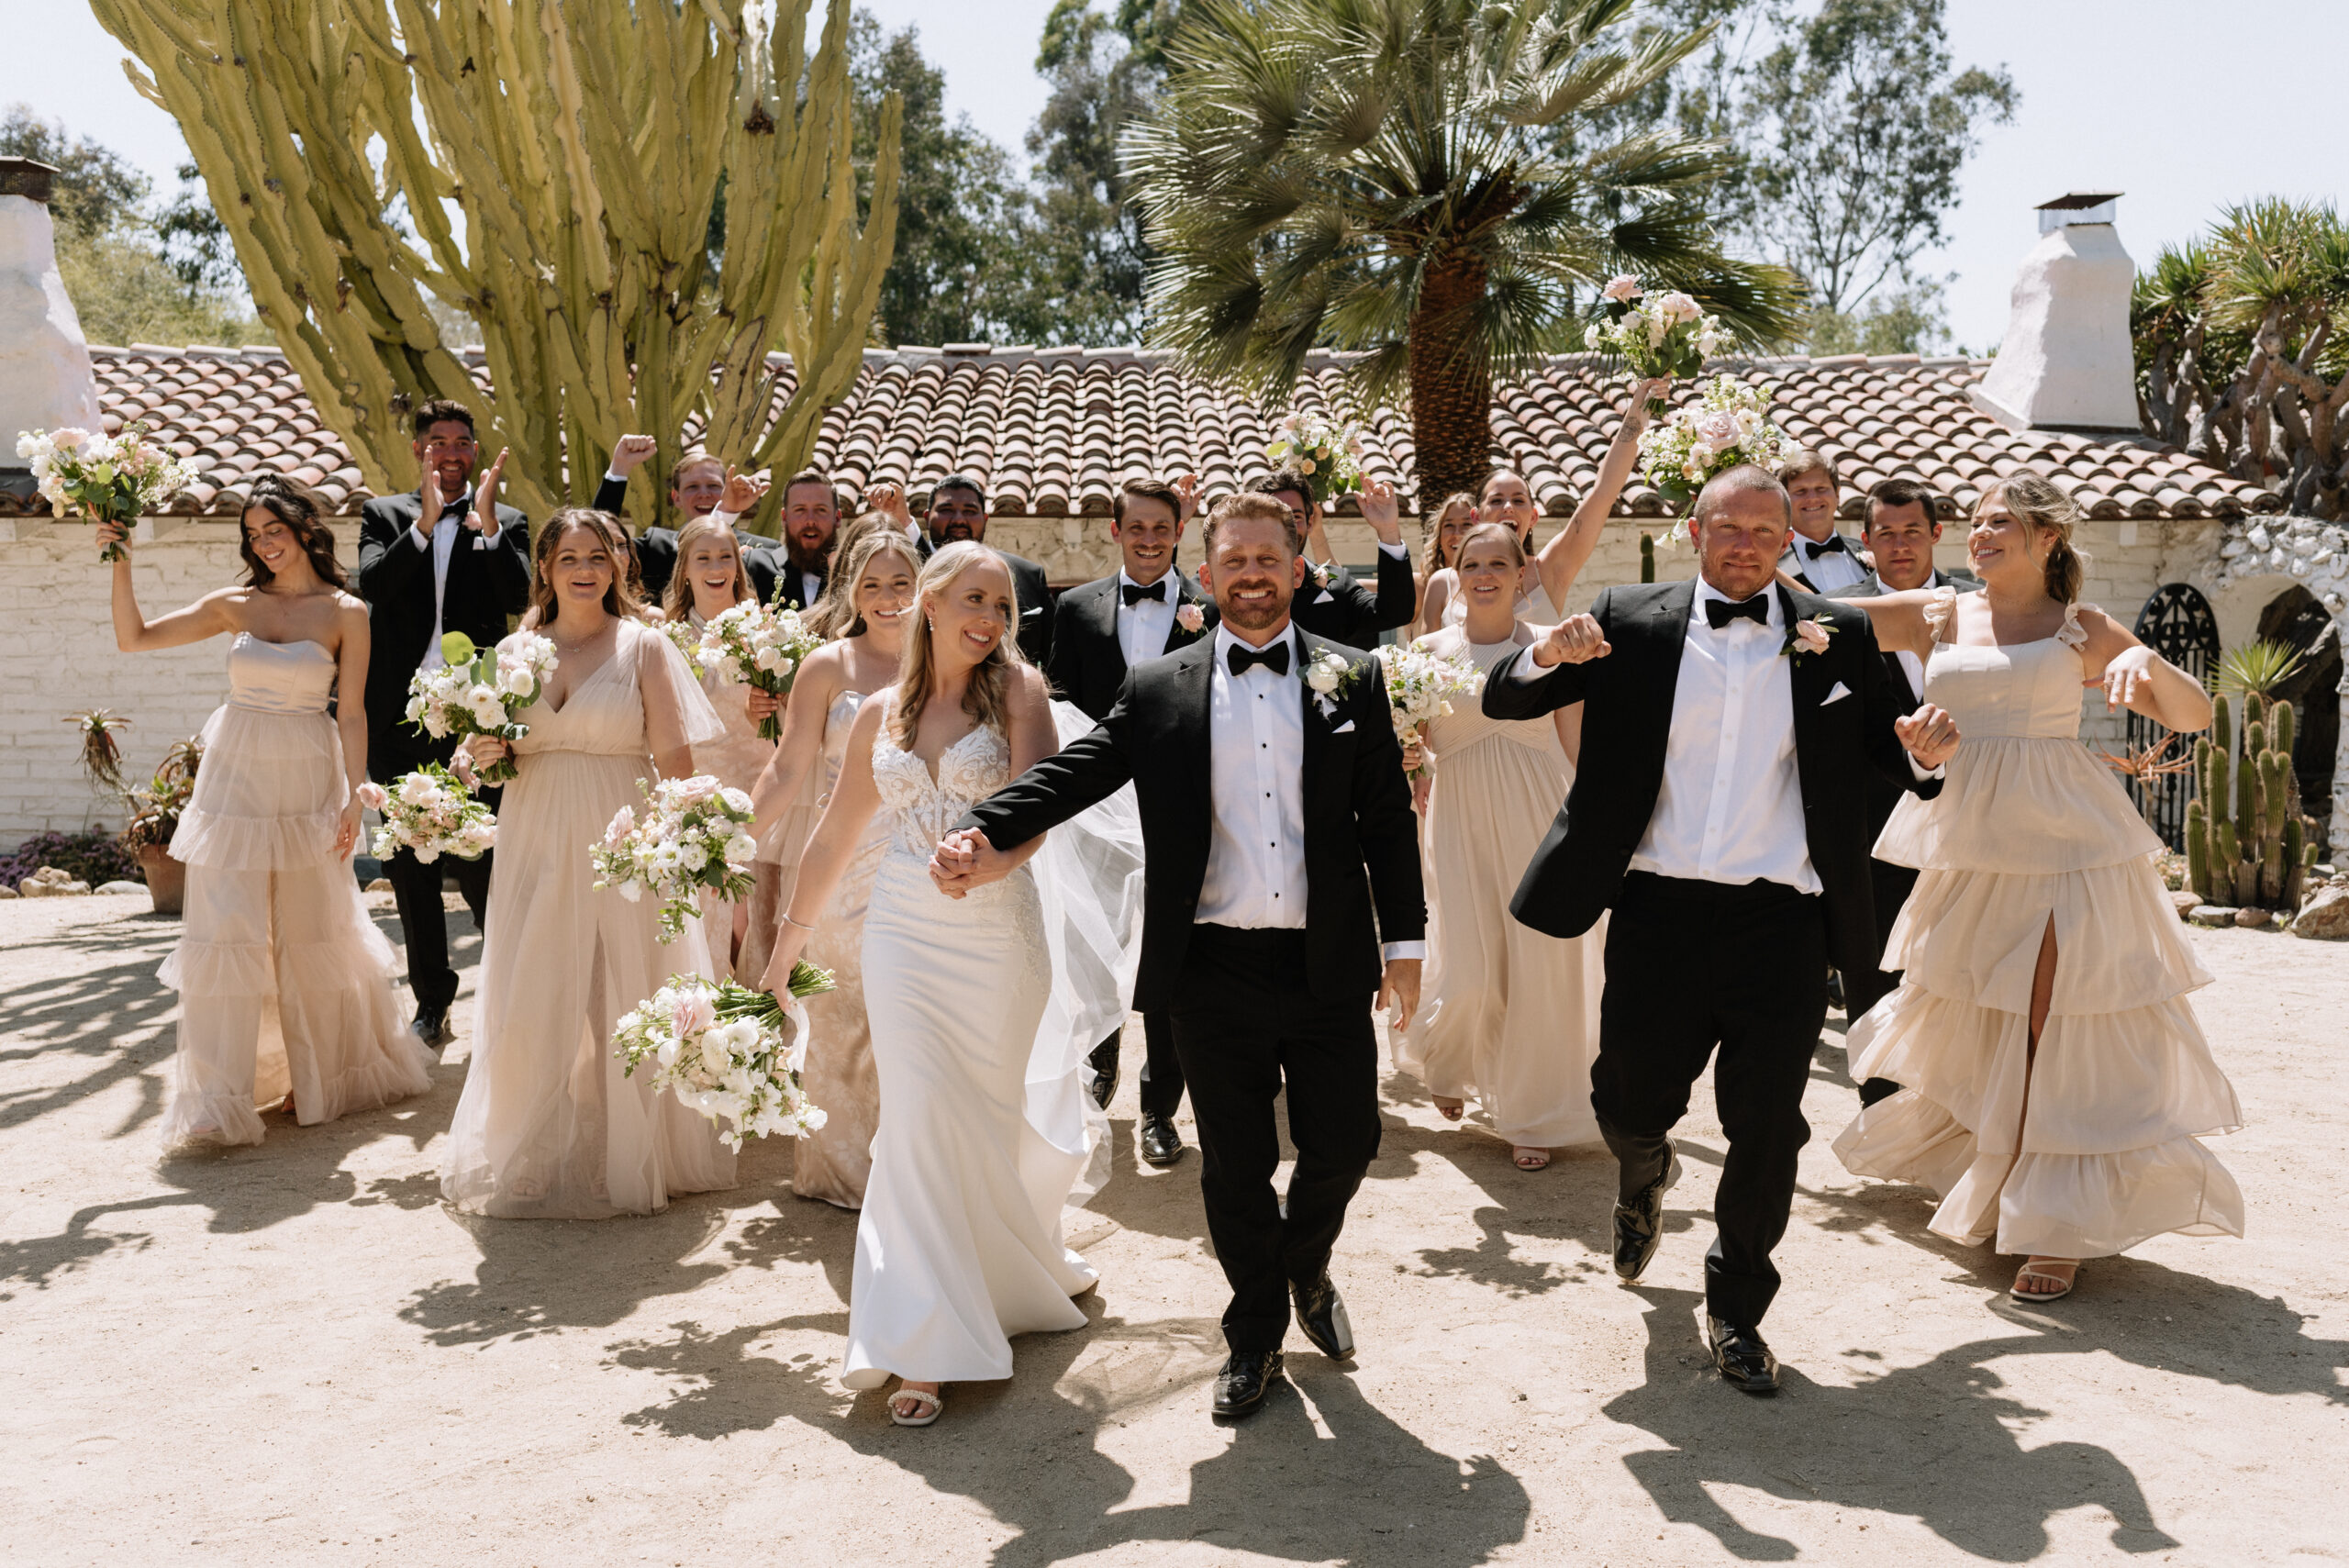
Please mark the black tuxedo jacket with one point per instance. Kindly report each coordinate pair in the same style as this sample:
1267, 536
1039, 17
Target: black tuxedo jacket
1343, 610
656, 552
1088, 665
1362, 844
484, 587
1035, 598
1627, 700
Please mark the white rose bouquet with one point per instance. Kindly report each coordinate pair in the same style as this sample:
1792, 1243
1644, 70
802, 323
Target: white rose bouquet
109, 479
1420, 686
686, 637
1324, 451
1657, 335
696, 834
1729, 425
761, 647
479, 692
723, 1050
432, 813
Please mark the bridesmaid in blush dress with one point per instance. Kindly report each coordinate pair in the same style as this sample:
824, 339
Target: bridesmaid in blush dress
877, 574
1511, 1015
286, 985
549, 1126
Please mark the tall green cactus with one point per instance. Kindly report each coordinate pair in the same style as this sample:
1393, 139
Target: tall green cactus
584, 150
2198, 851
2246, 842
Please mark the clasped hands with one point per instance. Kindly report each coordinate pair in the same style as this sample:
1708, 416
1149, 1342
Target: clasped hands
965, 860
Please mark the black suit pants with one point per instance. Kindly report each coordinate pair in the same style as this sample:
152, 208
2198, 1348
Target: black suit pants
1162, 1070
416, 887
1692, 966
1892, 885
1244, 1026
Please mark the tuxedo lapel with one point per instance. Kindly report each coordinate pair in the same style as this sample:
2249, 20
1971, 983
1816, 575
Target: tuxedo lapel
1810, 678
1102, 624
1186, 592
1192, 671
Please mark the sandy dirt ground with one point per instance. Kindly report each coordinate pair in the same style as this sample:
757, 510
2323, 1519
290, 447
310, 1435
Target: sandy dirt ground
294, 1353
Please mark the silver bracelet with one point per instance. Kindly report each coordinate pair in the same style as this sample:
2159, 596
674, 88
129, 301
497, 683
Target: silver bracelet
789, 921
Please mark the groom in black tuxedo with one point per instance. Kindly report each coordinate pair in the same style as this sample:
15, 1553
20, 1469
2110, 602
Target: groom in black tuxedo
1721, 815
1282, 853
1101, 630
466, 568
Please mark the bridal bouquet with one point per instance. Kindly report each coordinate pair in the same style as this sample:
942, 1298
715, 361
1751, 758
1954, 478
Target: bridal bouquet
723, 1049
431, 813
478, 693
1728, 425
1420, 686
1324, 451
111, 478
761, 647
1656, 335
696, 834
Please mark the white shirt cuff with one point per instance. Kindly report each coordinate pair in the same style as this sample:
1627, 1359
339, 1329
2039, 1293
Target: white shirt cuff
423, 535
1924, 772
1394, 550
1403, 950
724, 518
1525, 672
615, 475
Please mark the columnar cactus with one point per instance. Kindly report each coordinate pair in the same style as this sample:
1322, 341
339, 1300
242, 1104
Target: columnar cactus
584, 150
2246, 842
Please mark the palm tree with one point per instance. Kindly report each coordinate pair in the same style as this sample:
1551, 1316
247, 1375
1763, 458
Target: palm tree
1434, 182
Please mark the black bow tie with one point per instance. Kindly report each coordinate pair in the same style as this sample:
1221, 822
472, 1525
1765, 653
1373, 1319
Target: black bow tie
1134, 593
1831, 542
1243, 657
1718, 613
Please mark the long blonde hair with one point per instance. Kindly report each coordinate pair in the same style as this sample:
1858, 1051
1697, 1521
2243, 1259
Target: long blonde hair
1432, 561
2032, 497
838, 607
677, 603
987, 698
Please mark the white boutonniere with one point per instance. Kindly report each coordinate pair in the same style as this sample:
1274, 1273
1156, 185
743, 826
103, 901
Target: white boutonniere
1328, 674
1190, 618
1807, 636
1320, 575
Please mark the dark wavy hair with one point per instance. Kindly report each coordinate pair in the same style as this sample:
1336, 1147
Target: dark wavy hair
619, 599
291, 505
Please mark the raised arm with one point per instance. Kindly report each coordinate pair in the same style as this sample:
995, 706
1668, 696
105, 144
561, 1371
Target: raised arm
2135, 677
1550, 675
1897, 619
1562, 559
134, 633
1396, 602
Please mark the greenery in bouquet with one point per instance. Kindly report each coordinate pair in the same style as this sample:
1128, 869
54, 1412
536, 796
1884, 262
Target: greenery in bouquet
1420, 686
1328, 453
686, 637
431, 813
155, 808
725, 1052
1655, 334
109, 479
696, 834
1728, 425
758, 646
479, 691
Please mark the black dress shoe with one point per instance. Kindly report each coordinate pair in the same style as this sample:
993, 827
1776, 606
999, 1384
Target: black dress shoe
1322, 1315
1746, 1362
1639, 1224
431, 1026
1240, 1386
1161, 1144
1101, 1082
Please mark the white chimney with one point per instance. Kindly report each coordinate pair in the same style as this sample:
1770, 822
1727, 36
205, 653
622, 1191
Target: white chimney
2067, 362
45, 376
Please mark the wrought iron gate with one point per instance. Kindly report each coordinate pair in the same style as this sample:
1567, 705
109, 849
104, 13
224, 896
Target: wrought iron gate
2175, 623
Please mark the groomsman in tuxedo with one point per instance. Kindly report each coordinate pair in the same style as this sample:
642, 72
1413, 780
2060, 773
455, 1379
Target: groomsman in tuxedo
698, 485
1724, 823
811, 515
1101, 630
1284, 892
958, 510
1818, 555
1333, 603
444, 557
1900, 534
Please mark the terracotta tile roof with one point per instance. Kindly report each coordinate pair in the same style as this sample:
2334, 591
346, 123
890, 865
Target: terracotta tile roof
1053, 431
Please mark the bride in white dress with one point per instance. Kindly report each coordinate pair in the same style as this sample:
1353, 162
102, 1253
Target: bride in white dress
958, 1246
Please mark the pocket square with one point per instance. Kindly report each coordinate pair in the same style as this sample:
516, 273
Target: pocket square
1839, 691
1345, 728
1324, 597
1035, 611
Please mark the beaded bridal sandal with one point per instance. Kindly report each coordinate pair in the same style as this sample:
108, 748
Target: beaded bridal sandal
931, 1406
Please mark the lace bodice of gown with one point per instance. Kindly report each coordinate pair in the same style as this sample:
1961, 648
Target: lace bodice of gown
279, 677
921, 810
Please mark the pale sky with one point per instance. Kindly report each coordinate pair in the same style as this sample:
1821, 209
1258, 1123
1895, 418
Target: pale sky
2143, 96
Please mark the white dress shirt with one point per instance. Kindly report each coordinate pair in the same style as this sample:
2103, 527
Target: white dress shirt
1829, 571
1256, 874
1144, 625
441, 540
1730, 807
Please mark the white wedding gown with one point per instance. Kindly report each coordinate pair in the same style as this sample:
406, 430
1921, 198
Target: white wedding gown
984, 1128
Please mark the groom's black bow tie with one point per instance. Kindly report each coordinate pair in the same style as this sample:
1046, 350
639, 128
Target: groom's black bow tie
1718, 613
1135, 592
1831, 543
1243, 657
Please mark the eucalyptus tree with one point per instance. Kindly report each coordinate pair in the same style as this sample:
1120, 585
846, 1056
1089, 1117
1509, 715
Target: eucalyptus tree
1390, 176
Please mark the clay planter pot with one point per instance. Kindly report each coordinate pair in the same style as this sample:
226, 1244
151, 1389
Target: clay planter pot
166, 878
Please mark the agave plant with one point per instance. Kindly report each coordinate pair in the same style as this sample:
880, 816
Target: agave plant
2145, 766
1426, 182
2256, 668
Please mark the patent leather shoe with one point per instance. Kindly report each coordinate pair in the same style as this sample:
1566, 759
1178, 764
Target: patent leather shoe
431, 1026
1639, 1224
1101, 1082
1746, 1362
1162, 1145
1322, 1313
1240, 1387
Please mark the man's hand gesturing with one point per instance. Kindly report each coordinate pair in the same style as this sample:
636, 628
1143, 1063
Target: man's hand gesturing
1930, 734
1574, 640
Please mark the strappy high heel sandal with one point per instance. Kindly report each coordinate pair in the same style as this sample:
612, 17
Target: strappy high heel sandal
1450, 1110
2044, 1268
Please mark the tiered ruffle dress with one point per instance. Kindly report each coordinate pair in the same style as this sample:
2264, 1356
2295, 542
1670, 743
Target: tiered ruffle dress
285, 983
2092, 1144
